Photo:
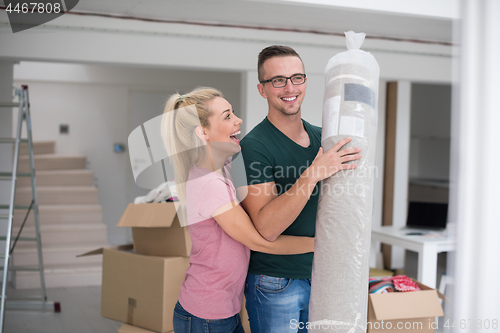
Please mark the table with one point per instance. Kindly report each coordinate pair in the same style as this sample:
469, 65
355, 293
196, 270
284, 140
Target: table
427, 246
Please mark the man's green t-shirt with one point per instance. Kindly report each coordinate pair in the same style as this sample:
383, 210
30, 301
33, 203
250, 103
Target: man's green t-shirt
269, 155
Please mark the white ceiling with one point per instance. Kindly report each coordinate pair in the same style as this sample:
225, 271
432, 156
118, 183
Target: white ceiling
290, 14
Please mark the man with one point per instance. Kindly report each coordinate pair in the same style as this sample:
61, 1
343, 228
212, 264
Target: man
284, 162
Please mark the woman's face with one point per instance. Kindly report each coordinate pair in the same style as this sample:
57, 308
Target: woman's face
224, 125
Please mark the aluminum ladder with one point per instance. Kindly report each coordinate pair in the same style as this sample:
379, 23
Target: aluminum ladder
37, 302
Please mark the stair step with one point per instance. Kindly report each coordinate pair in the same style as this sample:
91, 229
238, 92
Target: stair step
89, 244
70, 217
53, 162
57, 276
39, 147
76, 177
63, 255
58, 195
63, 235
65, 214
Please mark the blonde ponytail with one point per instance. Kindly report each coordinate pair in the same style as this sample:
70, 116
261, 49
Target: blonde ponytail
182, 114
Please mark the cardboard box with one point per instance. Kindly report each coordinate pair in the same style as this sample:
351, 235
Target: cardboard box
413, 311
156, 230
244, 316
140, 290
134, 329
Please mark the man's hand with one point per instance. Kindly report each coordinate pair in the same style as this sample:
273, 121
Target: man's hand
272, 214
329, 163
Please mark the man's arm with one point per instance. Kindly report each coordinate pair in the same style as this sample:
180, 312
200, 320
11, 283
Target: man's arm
272, 214
237, 224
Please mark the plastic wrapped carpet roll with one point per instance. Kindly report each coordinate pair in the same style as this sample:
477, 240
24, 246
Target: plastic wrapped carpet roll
339, 289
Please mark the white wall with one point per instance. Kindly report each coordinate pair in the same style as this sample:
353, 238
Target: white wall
6, 95
102, 104
6, 75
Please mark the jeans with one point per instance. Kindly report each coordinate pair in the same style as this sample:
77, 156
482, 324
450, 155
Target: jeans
277, 305
184, 322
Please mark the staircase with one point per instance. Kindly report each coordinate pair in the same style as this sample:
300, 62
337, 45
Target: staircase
70, 220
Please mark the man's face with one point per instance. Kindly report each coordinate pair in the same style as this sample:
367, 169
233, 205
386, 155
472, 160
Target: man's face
286, 100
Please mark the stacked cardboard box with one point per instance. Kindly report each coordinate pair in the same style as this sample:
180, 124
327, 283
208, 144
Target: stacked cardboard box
156, 230
141, 283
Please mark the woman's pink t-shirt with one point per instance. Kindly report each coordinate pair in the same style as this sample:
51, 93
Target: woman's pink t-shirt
214, 282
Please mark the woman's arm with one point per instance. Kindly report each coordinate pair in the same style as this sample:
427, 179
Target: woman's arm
236, 223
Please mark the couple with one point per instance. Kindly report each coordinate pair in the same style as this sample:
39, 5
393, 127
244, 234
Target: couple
276, 219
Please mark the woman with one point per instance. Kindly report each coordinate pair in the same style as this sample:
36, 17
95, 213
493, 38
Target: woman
199, 131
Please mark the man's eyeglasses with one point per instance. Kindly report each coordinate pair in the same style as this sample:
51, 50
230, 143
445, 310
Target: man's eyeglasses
281, 81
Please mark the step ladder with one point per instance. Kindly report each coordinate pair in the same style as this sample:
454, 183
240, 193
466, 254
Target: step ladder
37, 302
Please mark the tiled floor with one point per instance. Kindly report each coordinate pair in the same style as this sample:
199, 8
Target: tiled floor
80, 313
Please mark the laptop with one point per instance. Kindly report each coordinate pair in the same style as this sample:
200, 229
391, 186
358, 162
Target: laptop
427, 215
